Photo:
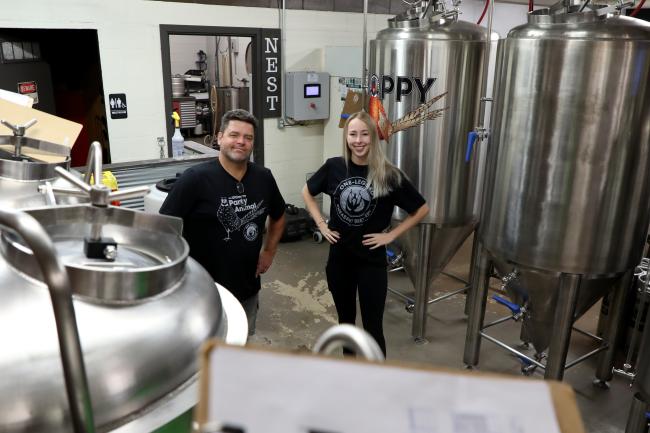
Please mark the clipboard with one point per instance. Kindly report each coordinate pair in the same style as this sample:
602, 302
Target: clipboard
261, 390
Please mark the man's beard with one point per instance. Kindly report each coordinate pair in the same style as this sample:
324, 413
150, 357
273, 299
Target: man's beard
236, 157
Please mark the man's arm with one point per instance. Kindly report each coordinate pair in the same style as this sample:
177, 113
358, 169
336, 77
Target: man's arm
274, 231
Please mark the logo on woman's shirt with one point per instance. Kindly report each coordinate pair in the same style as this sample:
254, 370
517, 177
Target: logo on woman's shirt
354, 202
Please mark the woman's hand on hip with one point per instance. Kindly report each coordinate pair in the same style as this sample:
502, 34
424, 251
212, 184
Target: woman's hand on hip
331, 235
376, 240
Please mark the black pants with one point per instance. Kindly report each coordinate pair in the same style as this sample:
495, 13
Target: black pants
345, 277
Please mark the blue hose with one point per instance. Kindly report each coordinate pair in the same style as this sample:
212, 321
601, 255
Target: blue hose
516, 309
471, 139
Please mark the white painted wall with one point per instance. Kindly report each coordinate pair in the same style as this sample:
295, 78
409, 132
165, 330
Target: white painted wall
129, 45
183, 51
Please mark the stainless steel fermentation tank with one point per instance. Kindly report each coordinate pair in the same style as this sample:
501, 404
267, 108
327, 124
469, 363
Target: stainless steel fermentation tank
566, 208
142, 306
432, 44
22, 172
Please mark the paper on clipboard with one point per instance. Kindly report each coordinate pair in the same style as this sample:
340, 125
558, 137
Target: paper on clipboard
267, 392
16, 98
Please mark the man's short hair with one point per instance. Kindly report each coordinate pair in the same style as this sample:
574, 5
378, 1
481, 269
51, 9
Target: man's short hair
237, 114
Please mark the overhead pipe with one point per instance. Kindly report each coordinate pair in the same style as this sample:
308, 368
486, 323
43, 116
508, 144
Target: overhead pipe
282, 122
231, 79
480, 132
480, 20
637, 8
364, 67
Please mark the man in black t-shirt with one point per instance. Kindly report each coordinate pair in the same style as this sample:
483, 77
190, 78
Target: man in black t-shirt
224, 205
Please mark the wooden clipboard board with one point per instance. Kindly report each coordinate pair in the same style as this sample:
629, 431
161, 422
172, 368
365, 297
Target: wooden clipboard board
562, 396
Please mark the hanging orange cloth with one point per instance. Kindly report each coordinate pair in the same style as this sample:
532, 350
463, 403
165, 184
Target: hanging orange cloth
377, 112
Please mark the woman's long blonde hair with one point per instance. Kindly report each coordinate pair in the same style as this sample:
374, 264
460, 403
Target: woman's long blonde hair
382, 175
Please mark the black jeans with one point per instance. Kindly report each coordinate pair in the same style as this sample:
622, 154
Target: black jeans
346, 276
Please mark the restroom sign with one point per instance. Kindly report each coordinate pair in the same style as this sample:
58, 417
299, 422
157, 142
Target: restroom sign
117, 105
29, 88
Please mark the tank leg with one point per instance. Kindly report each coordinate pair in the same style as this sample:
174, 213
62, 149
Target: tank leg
605, 303
523, 335
480, 282
564, 315
612, 331
476, 251
636, 420
421, 301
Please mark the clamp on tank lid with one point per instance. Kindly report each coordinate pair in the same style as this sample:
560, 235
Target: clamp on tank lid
574, 11
425, 11
100, 195
19, 140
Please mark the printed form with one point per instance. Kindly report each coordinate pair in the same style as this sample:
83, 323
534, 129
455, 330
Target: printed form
254, 391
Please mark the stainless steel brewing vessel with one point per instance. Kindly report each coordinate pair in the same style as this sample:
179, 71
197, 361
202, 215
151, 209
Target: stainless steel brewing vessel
143, 310
571, 130
568, 173
429, 48
27, 164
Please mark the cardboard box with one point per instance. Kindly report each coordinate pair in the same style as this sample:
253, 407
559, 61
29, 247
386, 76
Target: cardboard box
351, 105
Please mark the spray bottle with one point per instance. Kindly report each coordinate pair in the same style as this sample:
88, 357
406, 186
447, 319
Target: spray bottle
178, 143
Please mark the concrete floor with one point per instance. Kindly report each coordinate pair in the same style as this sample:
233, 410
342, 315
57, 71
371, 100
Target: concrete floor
296, 307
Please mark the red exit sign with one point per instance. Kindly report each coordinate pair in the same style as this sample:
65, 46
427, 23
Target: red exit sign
27, 87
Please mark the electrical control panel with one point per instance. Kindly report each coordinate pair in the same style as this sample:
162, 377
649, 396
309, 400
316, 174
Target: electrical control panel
307, 95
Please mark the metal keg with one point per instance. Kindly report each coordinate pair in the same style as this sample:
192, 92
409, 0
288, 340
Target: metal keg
27, 166
143, 310
178, 86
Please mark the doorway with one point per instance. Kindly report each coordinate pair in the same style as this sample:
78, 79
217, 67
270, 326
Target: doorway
64, 70
208, 71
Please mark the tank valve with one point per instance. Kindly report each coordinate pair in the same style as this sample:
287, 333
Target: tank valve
508, 278
479, 134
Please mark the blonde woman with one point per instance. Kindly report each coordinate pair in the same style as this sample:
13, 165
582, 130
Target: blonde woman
364, 188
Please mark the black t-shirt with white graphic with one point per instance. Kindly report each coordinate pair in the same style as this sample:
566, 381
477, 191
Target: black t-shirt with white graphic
354, 211
222, 224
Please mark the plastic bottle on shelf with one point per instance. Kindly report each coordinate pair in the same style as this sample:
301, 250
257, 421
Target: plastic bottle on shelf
178, 142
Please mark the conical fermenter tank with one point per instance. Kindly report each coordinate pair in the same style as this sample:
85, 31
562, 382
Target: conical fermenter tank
566, 209
421, 55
